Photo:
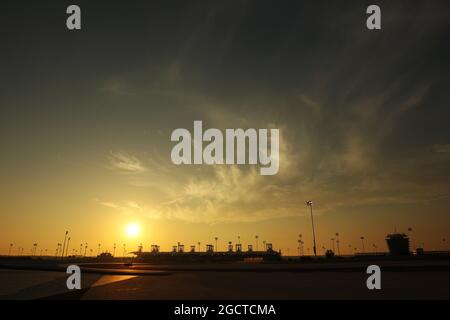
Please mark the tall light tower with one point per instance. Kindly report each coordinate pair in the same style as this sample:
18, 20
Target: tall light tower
10, 248
64, 244
310, 204
256, 237
362, 241
199, 243
114, 251
410, 230
216, 238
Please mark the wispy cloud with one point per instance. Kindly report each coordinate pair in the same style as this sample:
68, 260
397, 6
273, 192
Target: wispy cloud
132, 208
441, 148
125, 163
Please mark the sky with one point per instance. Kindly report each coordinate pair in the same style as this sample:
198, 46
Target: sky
86, 118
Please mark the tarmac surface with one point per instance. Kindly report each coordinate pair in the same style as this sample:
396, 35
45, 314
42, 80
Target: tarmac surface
424, 280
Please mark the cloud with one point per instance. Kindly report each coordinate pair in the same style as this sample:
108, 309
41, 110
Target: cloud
441, 148
125, 163
351, 127
210, 194
232, 193
339, 162
132, 208
117, 87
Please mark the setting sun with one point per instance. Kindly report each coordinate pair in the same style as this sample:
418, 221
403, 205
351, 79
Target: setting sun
132, 230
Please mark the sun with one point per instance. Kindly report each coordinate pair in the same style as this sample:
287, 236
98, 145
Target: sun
132, 230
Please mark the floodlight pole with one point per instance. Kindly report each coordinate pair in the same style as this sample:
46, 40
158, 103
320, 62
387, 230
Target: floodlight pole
310, 204
64, 244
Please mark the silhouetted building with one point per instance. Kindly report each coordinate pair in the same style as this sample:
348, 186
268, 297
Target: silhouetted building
179, 255
398, 244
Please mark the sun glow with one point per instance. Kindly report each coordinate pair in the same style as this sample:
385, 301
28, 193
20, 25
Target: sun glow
132, 230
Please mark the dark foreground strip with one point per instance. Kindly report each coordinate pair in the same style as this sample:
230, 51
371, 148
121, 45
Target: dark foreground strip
53, 307
71, 295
